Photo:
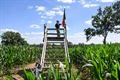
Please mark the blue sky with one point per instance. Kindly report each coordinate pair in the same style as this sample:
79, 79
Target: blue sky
28, 16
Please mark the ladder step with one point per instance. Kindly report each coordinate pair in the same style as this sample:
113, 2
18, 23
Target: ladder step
53, 62
55, 54
56, 66
61, 72
55, 47
56, 42
55, 38
55, 59
47, 64
54, 29
52, 51
46, 68
55, 34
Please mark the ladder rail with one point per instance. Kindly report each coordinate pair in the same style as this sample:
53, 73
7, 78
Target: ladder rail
67, 51
44, 49
40, 65
66, 45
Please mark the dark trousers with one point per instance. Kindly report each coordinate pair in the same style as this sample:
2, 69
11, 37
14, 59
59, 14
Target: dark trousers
58, 32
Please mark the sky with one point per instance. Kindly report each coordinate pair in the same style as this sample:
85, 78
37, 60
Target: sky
28, 17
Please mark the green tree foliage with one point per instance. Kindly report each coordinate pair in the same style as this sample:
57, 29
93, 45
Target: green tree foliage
104, 22
12, 38
70, 44
116, 14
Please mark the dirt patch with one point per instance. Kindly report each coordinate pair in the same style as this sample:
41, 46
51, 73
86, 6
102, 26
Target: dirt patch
18, 73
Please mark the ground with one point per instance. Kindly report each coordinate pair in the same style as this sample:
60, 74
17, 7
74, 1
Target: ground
17, 73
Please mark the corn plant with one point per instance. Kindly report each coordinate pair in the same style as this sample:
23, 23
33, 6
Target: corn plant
12, 56
102, 60
55, 74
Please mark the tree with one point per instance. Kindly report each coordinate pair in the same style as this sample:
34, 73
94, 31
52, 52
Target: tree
116, 15
70, 44
12, 38
102, 23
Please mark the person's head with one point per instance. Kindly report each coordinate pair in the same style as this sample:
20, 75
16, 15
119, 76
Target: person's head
57, 21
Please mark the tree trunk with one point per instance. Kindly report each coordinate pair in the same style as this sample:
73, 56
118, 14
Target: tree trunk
104, 40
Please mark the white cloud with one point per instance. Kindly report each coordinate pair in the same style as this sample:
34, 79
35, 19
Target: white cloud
33, 33
50, 13
49, 22
82, 1
81, 38
87, 4
8, 29
113, 37
35, 26
60, 12
40, 8
30, 7
68, 28
56, 8
117, 26
107, 0
33, 37
34, 40
66, 1
90, 5
89, 22
62, 7
43, 17
77, 38
53, 13
42, 21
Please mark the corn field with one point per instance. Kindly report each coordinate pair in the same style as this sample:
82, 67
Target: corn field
94, 62
100, 62
12, 56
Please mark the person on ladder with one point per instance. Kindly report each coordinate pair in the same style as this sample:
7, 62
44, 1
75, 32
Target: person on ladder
57, 25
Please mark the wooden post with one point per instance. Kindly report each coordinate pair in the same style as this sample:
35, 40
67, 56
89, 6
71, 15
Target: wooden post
68, 57
44, 31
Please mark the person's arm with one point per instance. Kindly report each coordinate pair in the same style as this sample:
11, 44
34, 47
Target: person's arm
60, 24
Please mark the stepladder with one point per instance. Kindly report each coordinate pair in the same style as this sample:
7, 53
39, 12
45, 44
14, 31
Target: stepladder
54, 53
